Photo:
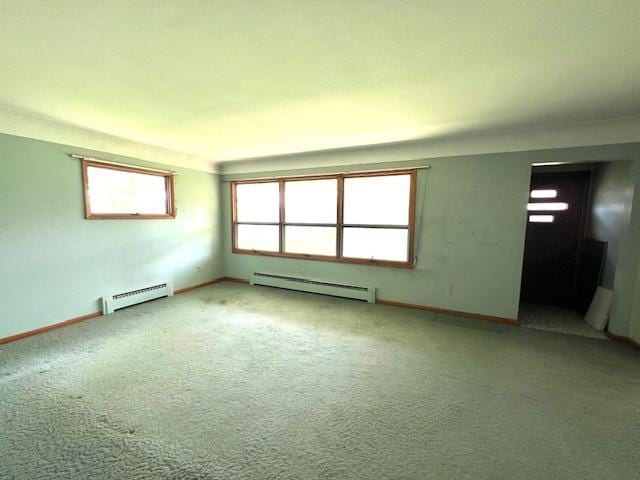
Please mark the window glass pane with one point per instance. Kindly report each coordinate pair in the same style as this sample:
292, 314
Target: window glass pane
122, 192
541, 218
544, 193
265, 238
547, 207
376, 243
310, 240
377, 200
258, 202
311, 201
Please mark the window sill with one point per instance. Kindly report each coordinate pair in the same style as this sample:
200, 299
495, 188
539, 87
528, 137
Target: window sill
323, 258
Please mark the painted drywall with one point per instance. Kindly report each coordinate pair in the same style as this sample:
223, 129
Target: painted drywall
469, 232
40, 127
237, 79
625, 313
54, 264
610, 210
30, 125
634, 330
471, 235
351, 158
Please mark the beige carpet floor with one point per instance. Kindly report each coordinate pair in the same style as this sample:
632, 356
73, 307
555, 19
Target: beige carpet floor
239, 382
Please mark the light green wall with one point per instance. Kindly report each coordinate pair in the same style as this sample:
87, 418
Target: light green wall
615, 218
634, 331
610, 210
625, 314
471, 237
54, 264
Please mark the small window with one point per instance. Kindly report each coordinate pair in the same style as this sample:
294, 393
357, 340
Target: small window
122, 192
541, 218
351, 218
547, 207
544, 193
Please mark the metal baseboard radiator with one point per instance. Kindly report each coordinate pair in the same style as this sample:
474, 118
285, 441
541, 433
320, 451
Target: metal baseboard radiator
368, 294
125, 299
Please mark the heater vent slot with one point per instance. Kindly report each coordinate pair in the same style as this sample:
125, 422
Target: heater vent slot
314, 286
138, 292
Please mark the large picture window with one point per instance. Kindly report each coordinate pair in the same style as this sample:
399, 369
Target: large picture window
357, 218
123, 192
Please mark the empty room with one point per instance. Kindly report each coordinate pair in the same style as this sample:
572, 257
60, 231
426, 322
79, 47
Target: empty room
319, 240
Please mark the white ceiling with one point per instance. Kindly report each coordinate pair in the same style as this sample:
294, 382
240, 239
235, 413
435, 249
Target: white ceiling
210, 81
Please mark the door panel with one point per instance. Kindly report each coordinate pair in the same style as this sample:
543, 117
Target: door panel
551, 246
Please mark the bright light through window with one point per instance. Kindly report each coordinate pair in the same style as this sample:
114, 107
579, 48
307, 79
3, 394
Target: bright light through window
257, 202
541, 218
544, 193
264, 238
547, 207
375, 243
310, 240
113, 192
351, 218
311, 201
380, 200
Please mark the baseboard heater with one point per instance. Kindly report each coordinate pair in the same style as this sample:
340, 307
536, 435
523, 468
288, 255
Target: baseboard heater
368, 294
126, 299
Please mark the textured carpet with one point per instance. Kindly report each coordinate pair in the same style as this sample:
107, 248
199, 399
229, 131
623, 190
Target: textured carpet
239, 382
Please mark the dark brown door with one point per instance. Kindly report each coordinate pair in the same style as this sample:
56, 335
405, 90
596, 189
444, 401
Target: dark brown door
553, 237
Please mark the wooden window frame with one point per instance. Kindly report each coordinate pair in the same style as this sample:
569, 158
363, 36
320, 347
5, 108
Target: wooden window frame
339, 225
169, 187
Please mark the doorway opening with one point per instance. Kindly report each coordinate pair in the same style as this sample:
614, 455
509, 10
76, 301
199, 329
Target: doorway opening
571, 243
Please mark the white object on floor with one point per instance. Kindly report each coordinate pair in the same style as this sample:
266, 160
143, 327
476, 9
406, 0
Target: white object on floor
598, 314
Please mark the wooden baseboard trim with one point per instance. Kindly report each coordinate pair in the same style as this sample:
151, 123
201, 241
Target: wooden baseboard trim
71, 321
236, 280
203, 284
477, 316
623, 339
456, 313
48, 328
